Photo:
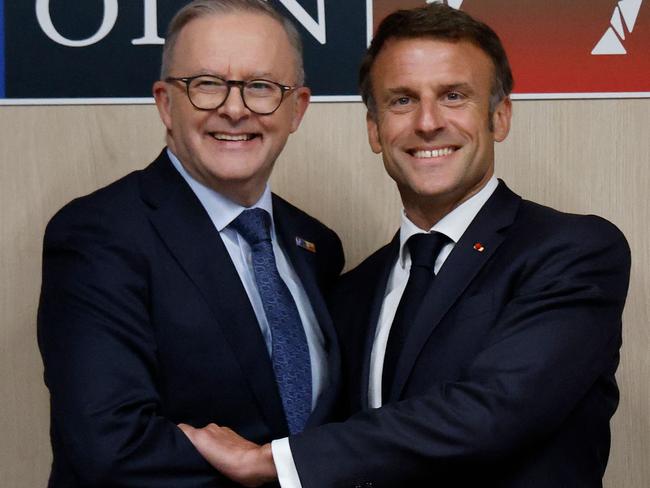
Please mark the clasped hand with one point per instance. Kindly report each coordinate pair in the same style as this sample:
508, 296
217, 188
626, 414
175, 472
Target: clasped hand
242, 461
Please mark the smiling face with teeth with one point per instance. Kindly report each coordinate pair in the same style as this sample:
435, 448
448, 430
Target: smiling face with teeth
231, 149
432, 122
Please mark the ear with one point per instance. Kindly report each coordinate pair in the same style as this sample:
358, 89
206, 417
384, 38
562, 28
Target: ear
162, 98
501, 119
373, 133
302, 97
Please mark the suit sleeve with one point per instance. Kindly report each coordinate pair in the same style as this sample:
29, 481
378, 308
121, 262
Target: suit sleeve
99, 353
558, 334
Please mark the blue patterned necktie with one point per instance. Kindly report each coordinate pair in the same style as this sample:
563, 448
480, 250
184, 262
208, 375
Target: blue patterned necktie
424, 249
289, 351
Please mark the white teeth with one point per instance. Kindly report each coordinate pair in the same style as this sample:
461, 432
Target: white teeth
231, 137
434, 153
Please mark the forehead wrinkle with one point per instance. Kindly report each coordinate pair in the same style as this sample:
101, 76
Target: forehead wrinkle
267, 75
462, 86
399, 89
402, 89
255, 75
190, 50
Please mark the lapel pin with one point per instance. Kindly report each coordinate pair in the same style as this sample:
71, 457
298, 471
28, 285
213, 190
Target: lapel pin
309, 246
479, 247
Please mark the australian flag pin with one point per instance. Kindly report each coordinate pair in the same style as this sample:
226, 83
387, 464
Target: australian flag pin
309, 246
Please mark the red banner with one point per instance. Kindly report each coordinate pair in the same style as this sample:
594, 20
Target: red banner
564, 48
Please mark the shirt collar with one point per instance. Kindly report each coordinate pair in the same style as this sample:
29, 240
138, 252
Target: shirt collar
454, 224
222, 211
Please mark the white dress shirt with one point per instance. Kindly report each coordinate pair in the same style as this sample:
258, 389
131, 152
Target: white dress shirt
453, 225
222, 212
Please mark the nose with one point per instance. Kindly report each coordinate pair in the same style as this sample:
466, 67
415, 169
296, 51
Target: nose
233, 106
429, 119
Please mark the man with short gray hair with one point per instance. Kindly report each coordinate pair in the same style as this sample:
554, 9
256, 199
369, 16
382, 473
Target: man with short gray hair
187, 293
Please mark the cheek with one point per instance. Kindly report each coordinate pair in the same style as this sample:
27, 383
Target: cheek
388, 136
192, 124
470, 120
275, 124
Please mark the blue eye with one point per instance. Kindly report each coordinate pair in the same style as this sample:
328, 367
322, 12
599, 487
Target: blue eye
454, 97
402, 104
207, 84
259, 85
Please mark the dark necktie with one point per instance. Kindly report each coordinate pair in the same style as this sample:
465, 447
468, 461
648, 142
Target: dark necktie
424, 249
289, 351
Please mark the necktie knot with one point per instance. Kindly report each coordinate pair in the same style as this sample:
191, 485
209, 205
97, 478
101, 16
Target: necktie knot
424, 248
254, 225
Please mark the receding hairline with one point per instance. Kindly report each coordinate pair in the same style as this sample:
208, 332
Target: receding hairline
201, 10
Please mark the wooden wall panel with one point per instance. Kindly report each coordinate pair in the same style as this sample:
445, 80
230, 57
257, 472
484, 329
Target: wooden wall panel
582, 156
592, 156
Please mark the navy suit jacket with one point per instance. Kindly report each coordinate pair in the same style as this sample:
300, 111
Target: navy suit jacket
144, 323
506, 378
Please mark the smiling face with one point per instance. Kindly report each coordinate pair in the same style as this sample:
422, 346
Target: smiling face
432, 122
231, 149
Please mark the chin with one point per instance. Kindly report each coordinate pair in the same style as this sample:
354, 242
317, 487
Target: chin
434, 189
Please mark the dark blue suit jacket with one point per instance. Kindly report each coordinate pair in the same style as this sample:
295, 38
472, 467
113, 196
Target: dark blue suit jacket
144, 323
507, 375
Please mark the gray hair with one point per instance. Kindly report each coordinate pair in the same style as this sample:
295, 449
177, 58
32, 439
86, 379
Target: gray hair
204, 8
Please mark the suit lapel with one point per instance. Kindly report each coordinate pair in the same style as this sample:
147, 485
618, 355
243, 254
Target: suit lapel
460, 268
189, 234
378, 282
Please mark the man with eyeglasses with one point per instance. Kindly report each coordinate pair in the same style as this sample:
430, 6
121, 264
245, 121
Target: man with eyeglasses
186, 293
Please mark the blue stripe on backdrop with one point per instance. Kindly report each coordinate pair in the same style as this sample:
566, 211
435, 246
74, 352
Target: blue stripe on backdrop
2, 49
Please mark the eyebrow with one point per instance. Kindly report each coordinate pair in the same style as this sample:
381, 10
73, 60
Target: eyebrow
398, 90
261, 74
254, 76
463, 87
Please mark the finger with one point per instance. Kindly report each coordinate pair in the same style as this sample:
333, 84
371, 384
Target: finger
187, 429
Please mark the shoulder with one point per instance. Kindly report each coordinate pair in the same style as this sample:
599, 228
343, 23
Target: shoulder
370, 270
122, 203
114, 213
548, 247
114, 203
540, 223
98, 241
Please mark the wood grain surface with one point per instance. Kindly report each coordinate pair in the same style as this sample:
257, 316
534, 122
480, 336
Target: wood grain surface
586, 156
